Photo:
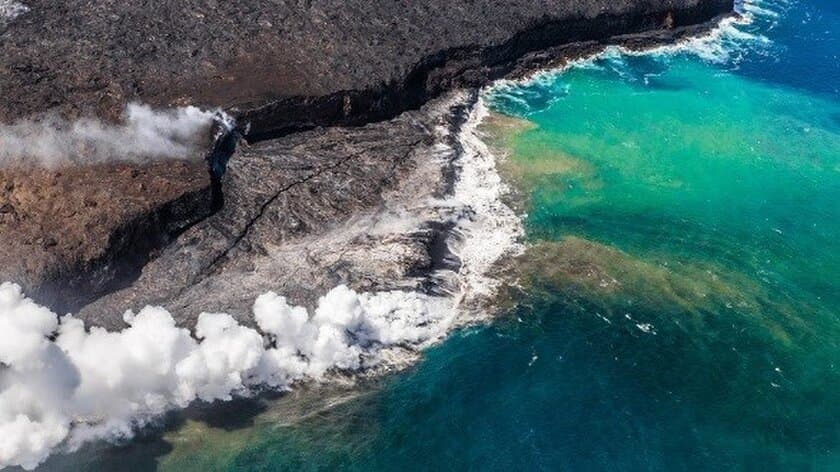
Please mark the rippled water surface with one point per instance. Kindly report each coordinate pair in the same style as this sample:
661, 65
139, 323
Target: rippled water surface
679, 305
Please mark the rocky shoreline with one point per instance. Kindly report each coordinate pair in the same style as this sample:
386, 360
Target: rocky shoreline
308, 207
293, 64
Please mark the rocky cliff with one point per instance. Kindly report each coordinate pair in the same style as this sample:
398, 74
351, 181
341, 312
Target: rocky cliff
303, 206
292, 63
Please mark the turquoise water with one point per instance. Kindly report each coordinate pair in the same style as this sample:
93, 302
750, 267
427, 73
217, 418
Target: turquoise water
680, 304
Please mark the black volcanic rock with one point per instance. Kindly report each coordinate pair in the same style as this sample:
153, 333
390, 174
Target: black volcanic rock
304, 207
373, 57
302, 214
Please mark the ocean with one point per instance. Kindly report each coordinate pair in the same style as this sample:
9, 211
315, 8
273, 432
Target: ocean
677, 306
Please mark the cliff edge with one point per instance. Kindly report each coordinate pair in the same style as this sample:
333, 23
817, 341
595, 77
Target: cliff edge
334, 91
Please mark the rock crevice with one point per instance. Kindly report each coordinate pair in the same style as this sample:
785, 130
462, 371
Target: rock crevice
342, 96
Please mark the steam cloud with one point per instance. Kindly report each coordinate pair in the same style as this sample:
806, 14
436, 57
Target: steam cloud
144, 134
9, 10
61, 385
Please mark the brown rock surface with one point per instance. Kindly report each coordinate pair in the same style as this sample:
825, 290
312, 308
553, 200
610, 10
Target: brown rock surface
140, 234
64, 229
83, 56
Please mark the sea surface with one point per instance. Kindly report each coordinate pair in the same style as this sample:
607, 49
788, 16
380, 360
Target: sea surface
677, 308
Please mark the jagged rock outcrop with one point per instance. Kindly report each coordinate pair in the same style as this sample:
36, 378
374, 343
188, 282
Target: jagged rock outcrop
293, 200
293, 63
304, 213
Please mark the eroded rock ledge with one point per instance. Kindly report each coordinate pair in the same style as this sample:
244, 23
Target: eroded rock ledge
304, 210
303, 214
289, 64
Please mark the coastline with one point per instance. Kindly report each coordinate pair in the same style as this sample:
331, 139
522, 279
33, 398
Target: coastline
473, 213
79, 269
618, 262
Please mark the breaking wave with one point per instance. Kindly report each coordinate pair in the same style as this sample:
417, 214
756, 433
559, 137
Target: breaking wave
490, 230
726, 45
62, 384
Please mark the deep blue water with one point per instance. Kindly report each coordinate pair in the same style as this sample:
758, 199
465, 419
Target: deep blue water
715, 348
807, 47
742, 371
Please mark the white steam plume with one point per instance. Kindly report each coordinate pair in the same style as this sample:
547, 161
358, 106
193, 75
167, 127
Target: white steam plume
9, 10
61, 385
144, 134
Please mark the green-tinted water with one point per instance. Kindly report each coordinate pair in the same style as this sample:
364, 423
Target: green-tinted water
701, 208
679, 305
679, 308
718, 169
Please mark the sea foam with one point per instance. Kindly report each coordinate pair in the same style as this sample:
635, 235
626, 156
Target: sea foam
63, 384
490, 230
725, 45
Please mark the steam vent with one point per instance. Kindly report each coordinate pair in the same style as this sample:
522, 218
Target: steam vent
381, 235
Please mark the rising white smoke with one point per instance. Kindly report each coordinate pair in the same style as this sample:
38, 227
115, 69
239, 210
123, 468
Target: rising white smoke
9, 10
61, 385
144, 134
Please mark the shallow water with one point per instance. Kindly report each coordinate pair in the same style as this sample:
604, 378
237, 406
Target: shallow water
679, 307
